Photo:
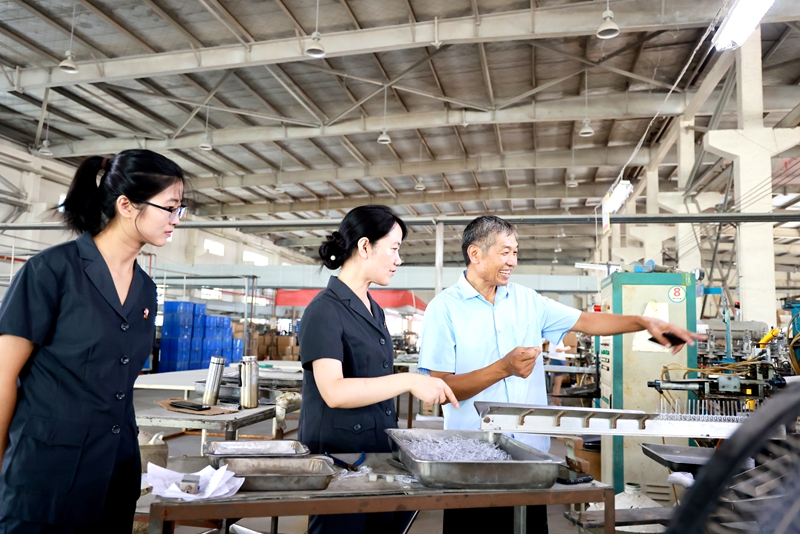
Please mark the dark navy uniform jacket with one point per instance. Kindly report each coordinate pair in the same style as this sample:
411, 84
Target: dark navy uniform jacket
337, 325
74, 406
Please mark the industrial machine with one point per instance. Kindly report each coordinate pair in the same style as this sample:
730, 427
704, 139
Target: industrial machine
629, 361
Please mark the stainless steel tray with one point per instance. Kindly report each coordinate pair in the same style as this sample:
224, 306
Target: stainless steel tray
678, 458
281, 474
529, 469
217, 450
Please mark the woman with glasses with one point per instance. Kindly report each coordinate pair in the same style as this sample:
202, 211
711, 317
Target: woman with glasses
76, 326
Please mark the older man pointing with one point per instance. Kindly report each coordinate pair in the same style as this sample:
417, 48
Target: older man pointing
483, 337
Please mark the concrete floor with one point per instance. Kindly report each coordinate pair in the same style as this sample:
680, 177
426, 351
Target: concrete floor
428, 522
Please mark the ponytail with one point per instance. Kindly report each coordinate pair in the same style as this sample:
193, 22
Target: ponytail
373, 222
81, 207
138, 175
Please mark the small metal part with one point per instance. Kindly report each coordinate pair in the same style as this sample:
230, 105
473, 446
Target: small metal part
190, 484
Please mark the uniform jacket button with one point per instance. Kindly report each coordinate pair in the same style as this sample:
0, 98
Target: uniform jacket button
124, 360
385, 364
115, 429
120, 395
388, 411
357, 427
124, 327
383, 341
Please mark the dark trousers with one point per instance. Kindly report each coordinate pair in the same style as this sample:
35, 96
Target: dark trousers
377, 523
116, 516
494, 520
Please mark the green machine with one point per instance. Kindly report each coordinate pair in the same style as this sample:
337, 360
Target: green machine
629, 361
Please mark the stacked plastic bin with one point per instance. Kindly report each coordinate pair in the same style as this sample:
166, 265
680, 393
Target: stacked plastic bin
176, 336
189, 338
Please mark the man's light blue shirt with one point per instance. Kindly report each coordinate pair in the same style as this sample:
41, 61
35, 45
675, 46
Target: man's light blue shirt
463, 332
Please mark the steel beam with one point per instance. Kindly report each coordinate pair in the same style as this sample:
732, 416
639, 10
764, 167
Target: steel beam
621, 106
549, 22
555, 159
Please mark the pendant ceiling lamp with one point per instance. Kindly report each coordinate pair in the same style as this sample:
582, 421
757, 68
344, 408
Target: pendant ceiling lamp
384, 138
586, 130
315, 49
608, 28
68, 65
205, 143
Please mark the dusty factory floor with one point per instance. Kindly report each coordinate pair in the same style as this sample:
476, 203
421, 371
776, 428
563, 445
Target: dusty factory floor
428, 522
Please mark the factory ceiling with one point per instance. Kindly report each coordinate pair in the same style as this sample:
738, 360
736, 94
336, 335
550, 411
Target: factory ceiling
483, 101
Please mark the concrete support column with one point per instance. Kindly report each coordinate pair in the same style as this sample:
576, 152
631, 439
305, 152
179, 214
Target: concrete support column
751, 148
652, 191
439, 256
686, 244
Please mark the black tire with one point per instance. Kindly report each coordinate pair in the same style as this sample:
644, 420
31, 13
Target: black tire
702, 499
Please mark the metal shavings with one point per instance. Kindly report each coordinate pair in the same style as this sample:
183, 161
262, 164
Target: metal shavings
456, 449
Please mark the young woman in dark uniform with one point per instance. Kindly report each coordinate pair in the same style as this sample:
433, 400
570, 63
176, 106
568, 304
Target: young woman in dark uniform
347, 356
76, 326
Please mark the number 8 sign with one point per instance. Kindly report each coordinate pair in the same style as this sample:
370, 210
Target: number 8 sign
677, 294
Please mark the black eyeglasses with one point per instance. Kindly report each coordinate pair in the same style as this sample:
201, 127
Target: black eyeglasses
180, 211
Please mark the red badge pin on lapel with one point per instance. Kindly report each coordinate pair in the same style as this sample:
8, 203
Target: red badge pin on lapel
146, 313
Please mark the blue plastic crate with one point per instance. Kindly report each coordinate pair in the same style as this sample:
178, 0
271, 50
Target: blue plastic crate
227, 343
212, 332
196, 355
227, 333
228, 355
183, 319
176, 332
199, 309
200, 320
225, 322
178, 307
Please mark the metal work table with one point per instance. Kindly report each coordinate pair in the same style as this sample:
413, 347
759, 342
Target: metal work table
229, 423
184, 380
358, 495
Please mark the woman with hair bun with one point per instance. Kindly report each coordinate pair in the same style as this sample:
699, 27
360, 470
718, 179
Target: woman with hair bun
76, 326
347, 356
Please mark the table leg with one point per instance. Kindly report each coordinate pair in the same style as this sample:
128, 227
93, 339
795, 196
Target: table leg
609, 516
410, 409
158, 525
520, 519
274, 526
230, 433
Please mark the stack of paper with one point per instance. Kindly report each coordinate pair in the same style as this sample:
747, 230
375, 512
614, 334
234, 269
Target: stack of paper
214, 483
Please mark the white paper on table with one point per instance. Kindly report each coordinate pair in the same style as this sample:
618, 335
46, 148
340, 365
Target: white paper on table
214, 483
641, 340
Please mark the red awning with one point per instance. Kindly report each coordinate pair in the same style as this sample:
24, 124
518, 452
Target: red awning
386, 298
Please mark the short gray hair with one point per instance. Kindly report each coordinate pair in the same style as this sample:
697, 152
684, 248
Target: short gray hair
483, 231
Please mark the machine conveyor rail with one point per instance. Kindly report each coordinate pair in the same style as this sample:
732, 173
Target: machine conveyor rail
558, 420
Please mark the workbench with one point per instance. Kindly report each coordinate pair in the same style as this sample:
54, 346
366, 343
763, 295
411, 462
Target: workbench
229, 423
358, 495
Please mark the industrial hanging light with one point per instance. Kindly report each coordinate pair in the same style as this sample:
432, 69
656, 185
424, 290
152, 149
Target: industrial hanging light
555, 258
278, 187
384, 138
561, 232
205, 143
44, 150
740, 22
586, 130
558, 248
572, 182
419, 186
608, 29
68, 65
315, 49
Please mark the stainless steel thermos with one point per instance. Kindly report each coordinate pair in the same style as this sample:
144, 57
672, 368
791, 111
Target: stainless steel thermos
248, 382
214, 380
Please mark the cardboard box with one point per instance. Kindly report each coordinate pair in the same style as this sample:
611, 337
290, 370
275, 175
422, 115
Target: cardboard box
238, 328
282, 342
